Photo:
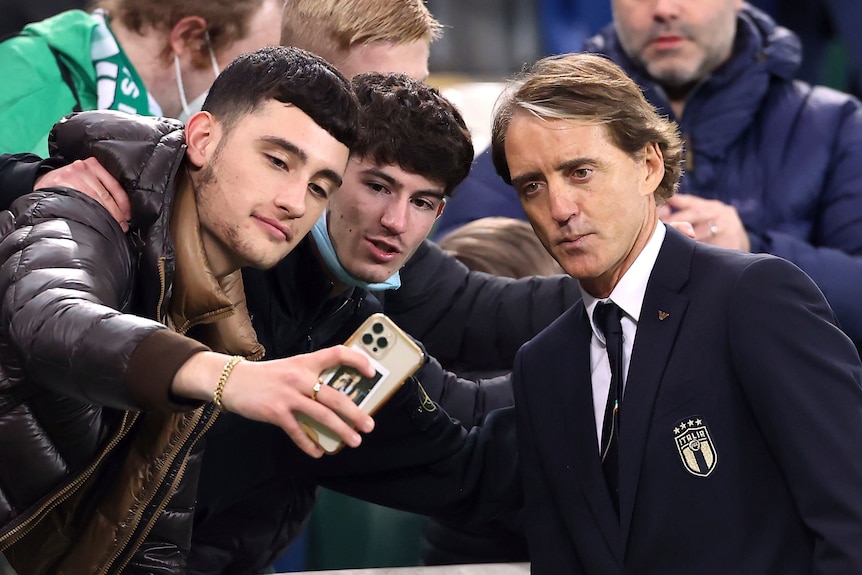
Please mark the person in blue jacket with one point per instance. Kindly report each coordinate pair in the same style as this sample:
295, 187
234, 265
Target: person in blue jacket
772, 164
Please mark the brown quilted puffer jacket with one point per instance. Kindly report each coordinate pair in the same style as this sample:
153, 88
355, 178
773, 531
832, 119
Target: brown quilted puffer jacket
98, 462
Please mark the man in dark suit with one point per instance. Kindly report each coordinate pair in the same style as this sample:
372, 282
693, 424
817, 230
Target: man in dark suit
713, 424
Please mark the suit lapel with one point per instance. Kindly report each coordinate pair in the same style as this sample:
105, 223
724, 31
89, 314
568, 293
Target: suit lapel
661, 316
580, 428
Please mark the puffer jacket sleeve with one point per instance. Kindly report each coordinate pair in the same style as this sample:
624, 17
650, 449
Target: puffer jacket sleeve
66, 273
471, 320
832, 255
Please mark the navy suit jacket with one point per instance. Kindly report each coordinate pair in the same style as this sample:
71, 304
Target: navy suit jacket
740, 433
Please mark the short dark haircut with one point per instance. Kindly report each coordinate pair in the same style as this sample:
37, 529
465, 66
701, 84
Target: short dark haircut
406, 122
591, 88
291, 76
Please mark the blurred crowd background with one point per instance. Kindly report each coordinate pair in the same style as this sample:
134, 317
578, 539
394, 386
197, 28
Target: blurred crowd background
491, 39
485, 42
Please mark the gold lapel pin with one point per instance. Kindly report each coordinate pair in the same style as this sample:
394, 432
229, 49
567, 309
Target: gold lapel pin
662, 315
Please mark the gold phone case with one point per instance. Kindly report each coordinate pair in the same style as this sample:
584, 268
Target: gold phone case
395, 357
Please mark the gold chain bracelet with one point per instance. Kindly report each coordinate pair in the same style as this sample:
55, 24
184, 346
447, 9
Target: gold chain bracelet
222, 380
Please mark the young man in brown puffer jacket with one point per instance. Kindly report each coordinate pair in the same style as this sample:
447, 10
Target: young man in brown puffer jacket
119, 350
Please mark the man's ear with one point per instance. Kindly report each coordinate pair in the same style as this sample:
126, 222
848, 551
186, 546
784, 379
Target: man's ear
440, 208
188, 37
202, 136
654, 167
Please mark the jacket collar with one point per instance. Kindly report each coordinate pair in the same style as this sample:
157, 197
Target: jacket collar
724, 104
146, 156
758, 36
198, 298
304, 286
664, 307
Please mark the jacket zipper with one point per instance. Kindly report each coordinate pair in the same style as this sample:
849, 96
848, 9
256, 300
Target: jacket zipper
173, 486
309, 340
183, 448
16, 534
202, 423
207, 318
188, 442
162, 290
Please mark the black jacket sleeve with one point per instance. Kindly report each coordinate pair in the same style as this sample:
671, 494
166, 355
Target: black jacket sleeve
471, 478
466, 400
18, 173
420, 460
472, 320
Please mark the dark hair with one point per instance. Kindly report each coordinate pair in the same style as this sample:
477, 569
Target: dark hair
589, 87
289, 75
406, 122
505, 247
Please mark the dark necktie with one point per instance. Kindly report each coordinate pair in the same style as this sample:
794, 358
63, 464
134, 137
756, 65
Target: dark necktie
607, 317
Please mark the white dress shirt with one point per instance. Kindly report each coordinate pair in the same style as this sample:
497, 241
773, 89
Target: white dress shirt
628, 294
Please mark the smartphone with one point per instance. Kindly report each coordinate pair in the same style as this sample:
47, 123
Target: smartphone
395, 357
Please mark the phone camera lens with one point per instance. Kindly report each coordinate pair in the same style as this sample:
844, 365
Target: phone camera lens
367, 339
377, 328
382, 342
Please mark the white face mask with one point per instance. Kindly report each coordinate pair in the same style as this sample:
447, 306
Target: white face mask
193, 107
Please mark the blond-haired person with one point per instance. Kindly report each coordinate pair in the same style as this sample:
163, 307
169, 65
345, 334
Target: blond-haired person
363, 35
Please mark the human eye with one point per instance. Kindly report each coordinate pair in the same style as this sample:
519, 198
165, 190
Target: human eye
318, 190
277, 162
376, 187
529, 189
581, 173
424, 203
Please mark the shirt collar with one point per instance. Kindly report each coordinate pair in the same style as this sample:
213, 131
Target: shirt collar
629, 292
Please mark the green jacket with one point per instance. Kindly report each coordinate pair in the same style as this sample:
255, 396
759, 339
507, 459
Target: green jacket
34, 95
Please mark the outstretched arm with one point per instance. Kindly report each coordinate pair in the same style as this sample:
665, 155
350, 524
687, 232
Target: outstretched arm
18, 173
66, 278
472, 320
90, 178
467, 400
276, 391
21, 174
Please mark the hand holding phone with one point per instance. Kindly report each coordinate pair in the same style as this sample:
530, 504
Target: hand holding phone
395, 357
